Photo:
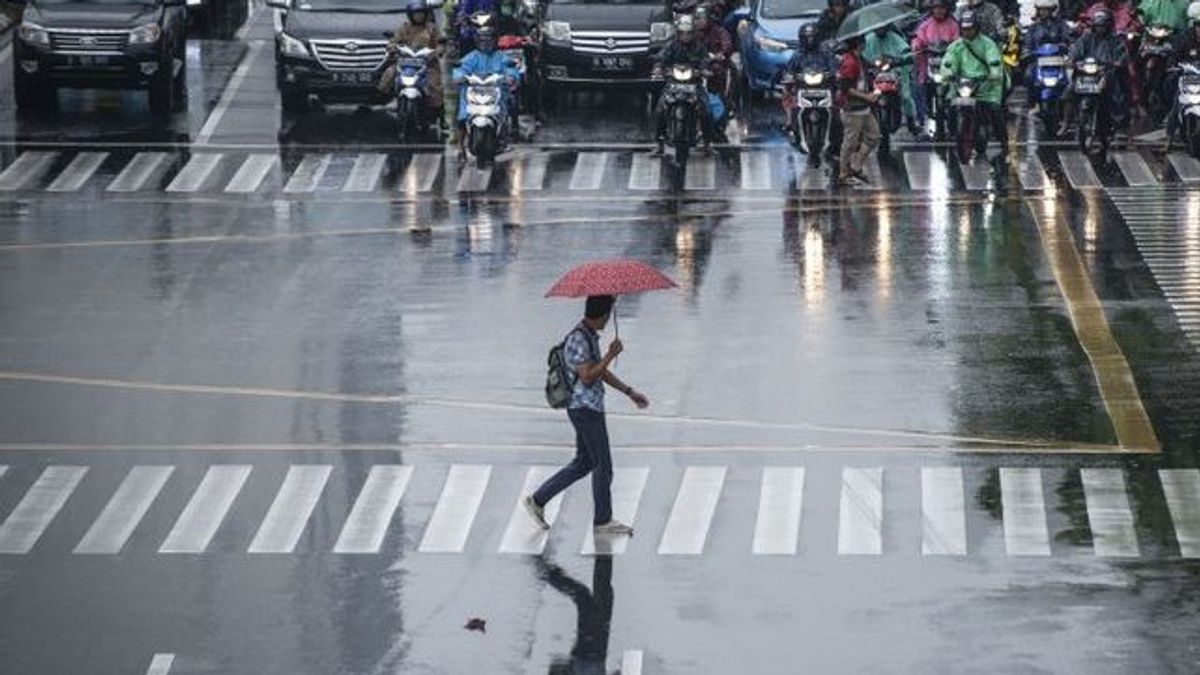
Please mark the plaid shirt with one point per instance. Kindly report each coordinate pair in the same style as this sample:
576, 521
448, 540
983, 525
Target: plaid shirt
583, 347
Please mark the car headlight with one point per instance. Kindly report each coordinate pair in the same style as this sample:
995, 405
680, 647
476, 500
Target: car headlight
559, 31
33, 34
661, 31
291, 46
769, 44
146, 34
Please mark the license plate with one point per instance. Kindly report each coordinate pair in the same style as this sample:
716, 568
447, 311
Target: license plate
612, 62
91, 60
1087, 87
355, 77
964, 102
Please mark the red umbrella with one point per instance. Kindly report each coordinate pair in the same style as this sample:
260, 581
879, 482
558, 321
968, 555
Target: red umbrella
610, 277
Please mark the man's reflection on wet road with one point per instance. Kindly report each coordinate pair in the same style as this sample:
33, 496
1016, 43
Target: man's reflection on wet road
594, 610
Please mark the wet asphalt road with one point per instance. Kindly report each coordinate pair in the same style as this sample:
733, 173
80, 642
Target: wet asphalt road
270, 401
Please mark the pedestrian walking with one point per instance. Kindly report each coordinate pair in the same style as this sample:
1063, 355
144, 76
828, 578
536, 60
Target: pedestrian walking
860, 128
590, 372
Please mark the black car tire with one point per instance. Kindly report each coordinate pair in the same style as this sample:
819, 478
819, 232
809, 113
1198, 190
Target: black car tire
293, 100
32, 93
162, 93
180, 103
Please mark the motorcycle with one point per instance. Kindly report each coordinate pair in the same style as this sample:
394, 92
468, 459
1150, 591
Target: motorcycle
935, 108
517, 49
412, 92
1094, 123
1153, 57
1050, 85
1188, 106
970, 123
489, 124
680, 99
808, 104
886, 79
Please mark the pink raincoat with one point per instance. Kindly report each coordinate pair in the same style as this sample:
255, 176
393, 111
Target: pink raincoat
931, 31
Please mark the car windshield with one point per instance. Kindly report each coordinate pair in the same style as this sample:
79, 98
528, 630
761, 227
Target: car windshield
359, 6
790, 9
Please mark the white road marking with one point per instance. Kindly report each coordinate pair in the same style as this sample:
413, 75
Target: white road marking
1134, 168
206, 510
1024, 511
251, 173
33, 514
1108, 511
474, 179
1182, 490
161, 664
28, 167
631, 662
860, 516
3, 470
918, 166
627, 487
125, 510
77, 172
533, 172
365, 174
808, 178
701, 173
255, 50
1186, 166
691, 516
777, 529
874, 173
135, 174
456, 508
645, 171
372, 514
196, 172
1031, 172
308, 173
976, 175
589, 170
1078, 169
943, 511
421, 172
284, 524
522, 534
756, 171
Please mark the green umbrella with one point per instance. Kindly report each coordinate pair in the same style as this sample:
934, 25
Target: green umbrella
873, 17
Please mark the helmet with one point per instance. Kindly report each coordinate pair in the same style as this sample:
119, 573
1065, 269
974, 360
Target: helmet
807, 36
836, 3
703, 15
1051, 5
415, 8
685, 24
485, 37
1194, 13
968, 19
1102, 18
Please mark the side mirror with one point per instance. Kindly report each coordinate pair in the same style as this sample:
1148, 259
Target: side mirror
279, 4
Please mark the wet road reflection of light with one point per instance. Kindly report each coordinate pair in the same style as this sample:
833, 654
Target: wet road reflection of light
939, 268
964, 232
883, 249
1091, 227
814, 266
1191, 237
939, 182
685, 257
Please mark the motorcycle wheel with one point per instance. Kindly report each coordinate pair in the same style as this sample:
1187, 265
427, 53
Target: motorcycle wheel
406, 118
966, 136
1194, 143
1086, 133
885, 135
483, 146
1048, 111
815, 131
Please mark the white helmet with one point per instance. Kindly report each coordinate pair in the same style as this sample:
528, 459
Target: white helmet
1047, 4
1194, 12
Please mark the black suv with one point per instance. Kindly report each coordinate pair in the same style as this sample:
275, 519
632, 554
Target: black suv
333, 49
107, 44
601, 42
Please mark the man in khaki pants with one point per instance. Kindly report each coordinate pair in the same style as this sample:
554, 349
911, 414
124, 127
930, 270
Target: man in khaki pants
860, 129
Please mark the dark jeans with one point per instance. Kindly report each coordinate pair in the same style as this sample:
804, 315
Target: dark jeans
592, 455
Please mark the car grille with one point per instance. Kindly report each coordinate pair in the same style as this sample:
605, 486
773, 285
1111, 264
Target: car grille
610, 42
350, 54
88, 41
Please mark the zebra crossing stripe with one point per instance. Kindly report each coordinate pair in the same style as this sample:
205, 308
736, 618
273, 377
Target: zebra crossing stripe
372, 514
366, 172
976, 175
1111, 521
631, 662
206, 510
27, 169
1181, 487
691, 516
645, 172
918, 166
289, 513
3, 470
589, 170
1024, 512
627, 487
701, 173
196, 172
777, 530
161, 664
77, 172
1032, 173
807, 178
756, 171
874, 174
474, 179
533, 172
860, 514
522, 534
421, 172
124, 510
943, 511
1078, 169
251, 173
138, 171
1134, 168
1186, 166
456, 508
308, 173
34, 513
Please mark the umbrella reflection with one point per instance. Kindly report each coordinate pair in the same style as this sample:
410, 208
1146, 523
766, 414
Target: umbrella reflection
593, 616
805, 242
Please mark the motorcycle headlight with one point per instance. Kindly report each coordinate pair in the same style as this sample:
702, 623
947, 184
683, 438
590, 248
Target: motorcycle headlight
937, 78
813, 79
681, 73
1192, 88
559, 31
1050, 81
1090, 68
481, 96
144, 35
291, 46
661, 31
965, 91
33, 34
1159, 32
769, 44
408, 80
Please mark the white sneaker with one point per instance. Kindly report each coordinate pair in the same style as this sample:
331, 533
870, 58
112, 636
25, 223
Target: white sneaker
536, 512
613, 527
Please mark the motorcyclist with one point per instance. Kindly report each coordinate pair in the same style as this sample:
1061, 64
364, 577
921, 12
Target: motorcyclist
1123, 19
1186, 49
686, 48
485, 59
831, 19
886, 43
990, 18
1169, 13
418, 32
813, 55
718, 42
1047, 29
976, 56
939, 27
1100, 43
462, 20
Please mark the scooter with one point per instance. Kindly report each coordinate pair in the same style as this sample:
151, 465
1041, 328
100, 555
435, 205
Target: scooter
1050, 85
935, 108
516, 49
412, 91
680, 98
1094, 121
1187, 104
808, 103
971, 129
886, 79
489, 124
1153, 57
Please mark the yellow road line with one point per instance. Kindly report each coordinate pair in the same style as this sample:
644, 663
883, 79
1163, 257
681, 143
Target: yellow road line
1113, 375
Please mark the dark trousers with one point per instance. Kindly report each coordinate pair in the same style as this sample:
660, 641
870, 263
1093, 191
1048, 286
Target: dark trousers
592, 455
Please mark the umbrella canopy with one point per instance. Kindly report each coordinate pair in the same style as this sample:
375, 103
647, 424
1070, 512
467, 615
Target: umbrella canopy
873, 17
609, 277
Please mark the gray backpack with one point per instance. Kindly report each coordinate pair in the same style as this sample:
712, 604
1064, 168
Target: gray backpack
560, 381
